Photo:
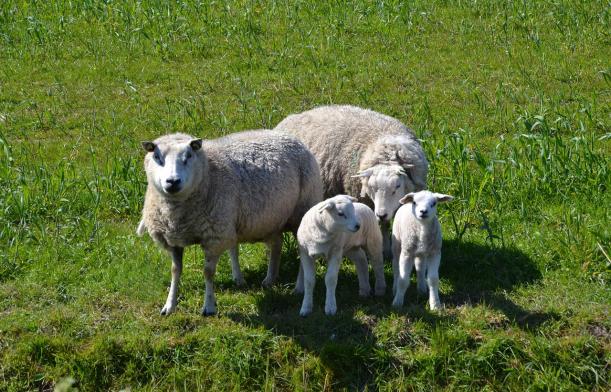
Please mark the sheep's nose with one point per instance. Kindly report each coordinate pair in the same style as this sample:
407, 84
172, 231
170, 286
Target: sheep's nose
173, 181
381, 216
357, 227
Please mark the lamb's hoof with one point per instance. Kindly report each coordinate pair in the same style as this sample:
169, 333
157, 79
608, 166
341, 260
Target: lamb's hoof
208, 311
330, 311
397, 304
436, 308
304, 312
365, 292
240, 282
167, 310
268, 282
380, 291
298, 290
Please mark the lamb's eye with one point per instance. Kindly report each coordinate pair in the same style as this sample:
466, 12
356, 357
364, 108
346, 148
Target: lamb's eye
341, 214
434, 204
157, 157
398, 186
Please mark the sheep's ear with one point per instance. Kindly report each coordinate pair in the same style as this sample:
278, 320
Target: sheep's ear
409, 198
353, 199
363, 173
195, 144
441, 197
326, 206
148, 146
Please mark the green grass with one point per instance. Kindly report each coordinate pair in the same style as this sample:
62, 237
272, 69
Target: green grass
511, 99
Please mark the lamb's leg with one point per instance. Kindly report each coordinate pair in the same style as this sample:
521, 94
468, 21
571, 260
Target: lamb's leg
274, 247
309, 279
406, 262
331, 282
209, 271
432, 278
385, 227
396, 253
236, 272
377, 263
299, 282
421, 268
172, 300
359, 258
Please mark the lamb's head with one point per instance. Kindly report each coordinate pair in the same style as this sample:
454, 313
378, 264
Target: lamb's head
424, 203
174, 164
338, 214
385, 185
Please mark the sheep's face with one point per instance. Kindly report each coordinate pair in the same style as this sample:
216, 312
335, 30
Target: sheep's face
385, 185
424, 203
172, 167
339, 214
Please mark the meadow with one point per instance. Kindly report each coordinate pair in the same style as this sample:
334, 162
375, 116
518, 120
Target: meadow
512, 102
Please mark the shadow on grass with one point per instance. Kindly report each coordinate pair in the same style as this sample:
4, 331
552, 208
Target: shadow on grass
346, 343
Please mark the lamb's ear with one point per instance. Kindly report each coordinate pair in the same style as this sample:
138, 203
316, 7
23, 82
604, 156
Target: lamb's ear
409, 198
363, 173
148, 146
441, 197
326, 206
141, 228
195, 144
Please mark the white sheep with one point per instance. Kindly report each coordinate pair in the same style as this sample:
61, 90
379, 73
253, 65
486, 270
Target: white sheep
245, 187
416, 239
362, 153
334, 228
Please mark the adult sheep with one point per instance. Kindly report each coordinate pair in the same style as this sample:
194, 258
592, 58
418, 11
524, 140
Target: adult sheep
362, 153
245, 187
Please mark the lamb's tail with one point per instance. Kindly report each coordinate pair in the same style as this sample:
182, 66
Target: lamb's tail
141, 228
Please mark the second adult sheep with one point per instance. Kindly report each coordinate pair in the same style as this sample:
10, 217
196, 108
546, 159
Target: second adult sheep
362, 153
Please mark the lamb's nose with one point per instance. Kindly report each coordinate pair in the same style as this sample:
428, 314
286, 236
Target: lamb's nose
173, 181
357, 227
382, 216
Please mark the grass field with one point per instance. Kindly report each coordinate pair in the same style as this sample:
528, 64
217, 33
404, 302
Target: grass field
512, 100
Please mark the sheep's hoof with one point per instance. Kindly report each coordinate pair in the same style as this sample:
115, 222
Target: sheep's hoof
387, 254
298, 290
167, 310
330, 311
207, 313
423, 289
365, 292
305, 312
397, 304
380, 291
239, 281
268, 282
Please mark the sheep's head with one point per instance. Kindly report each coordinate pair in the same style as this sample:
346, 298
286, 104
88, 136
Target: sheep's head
173, 164
385, 185
338, 214
424, 203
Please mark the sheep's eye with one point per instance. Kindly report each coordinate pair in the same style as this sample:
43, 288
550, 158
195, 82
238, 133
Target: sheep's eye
434, 204
340, 214
186, 158
157, 157
398, 186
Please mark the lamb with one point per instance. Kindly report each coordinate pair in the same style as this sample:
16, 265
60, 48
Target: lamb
333, 228
362, 153
416, 239
245, 187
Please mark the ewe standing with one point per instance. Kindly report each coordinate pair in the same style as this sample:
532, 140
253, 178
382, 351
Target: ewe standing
334, 228
246, 187
416, 239
362, 153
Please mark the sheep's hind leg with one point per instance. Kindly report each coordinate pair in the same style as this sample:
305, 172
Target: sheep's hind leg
274, 246
236, 272
209, 271
358, 257
172, 300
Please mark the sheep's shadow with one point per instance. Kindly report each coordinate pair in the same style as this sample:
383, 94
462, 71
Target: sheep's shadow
472, 274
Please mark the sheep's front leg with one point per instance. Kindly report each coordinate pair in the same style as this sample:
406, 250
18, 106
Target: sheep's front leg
406, 262
421, 268
309, 279
432, 278
236, 272
209, 271
377, 263
359, 258
331, 282
172, 300
274, 247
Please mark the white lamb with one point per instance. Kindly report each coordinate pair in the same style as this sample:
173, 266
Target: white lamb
362, 153
334, 228
245, 187
416, 239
